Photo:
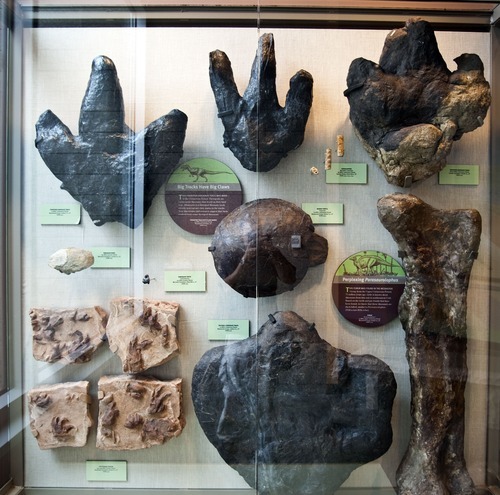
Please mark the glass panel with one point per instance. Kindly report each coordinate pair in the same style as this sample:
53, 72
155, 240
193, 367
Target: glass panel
289, 405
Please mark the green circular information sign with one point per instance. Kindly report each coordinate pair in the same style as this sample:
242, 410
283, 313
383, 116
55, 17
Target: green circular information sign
200, 193
366, 288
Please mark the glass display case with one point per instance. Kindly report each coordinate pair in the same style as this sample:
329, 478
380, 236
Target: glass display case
250, 247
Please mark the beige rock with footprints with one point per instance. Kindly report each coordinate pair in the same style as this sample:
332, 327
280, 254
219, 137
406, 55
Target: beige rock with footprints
138, 412
59, 414
68, 335
142, 332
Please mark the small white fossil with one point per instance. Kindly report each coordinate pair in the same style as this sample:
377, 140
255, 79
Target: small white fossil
71, 260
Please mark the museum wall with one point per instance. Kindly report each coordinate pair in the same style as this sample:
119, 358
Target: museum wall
165, 68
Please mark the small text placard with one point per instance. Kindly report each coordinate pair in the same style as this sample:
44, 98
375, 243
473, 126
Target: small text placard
325, 213
228, 329
347, 173
106, 470
185, 281
111, 257
60, 214
459, 175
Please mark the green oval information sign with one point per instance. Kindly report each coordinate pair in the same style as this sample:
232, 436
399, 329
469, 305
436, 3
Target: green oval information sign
366, 288
200, 193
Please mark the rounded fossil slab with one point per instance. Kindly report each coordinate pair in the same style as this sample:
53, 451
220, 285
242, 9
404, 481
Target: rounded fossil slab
265, 247
288, 405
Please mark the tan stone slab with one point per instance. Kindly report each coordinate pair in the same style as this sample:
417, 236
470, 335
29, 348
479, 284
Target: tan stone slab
60, 415
138, 412
142, 332
70, 335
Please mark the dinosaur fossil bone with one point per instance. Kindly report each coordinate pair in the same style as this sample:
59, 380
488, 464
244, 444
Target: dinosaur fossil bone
408, 109
114, 173
253, 247
257, 129
438, 247
287, 405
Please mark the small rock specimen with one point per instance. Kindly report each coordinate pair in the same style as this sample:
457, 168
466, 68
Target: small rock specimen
439, 248
68, 335
257, 129
60, 414
409, 108
138, 412
287, 405
71, 260
142, 332
113, 172
265, 247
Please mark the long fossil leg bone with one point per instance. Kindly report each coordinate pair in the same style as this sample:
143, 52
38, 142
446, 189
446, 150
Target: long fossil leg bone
438, 249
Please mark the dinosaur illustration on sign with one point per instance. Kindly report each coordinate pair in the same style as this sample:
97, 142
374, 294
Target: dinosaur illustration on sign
198, 172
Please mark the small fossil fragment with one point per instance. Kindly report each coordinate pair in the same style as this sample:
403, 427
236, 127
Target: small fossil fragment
42, 400
134, 420
137, 412
409, 108
328, 159
257, 129
61, 427
70, 335
438, 249
135, 390
340, 145
60, 414
71, 260
142, 332
265, 247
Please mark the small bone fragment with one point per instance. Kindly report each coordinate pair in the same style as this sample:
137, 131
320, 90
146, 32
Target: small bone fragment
328, 159
60, 415
69, 335
71, 260
439, 248
142, 332
138, 412
340, 145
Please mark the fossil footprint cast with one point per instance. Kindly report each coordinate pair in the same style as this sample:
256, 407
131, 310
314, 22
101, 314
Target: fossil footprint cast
257, 129
112, 171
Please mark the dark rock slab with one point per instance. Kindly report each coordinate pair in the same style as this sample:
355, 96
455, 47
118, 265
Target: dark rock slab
257, 129
113, 172
265, 247
292, 414
438, 248
409, 108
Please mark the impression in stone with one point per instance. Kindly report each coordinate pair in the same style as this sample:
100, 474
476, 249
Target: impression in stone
137, 412
265, 247
438, 248
60, 414
142, 332
113, 172
257, 129
67, 335
409, 108
71, 260
287, 406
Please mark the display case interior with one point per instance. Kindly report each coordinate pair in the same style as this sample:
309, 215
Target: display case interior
174, 352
